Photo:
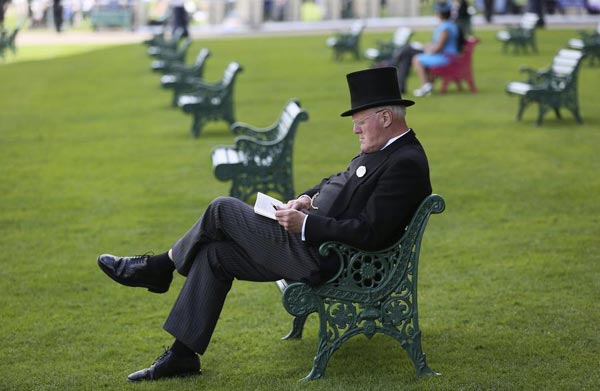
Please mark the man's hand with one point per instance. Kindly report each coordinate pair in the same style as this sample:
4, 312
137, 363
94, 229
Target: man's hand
290, 219
300, 203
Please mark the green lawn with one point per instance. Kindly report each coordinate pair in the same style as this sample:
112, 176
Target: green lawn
94, 160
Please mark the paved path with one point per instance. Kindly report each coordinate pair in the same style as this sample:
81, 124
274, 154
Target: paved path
49, 37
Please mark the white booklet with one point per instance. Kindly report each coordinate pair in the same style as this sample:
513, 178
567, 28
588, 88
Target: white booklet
265, 205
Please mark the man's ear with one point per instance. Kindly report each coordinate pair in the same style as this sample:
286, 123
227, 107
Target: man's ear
387, 118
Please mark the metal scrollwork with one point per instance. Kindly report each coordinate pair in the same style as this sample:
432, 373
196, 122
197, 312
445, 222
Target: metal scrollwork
372, 292
339, 316
299, 299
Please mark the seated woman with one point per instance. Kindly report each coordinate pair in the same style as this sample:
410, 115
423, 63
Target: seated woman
444, 45
440, 51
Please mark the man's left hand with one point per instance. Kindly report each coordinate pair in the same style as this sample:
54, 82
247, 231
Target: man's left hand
290, 219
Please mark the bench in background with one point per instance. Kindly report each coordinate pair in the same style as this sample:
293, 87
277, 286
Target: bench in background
522, 36
459, 69
386, 50
207, 101
347, 42
261, 158
161, 43
588, 43
7, 41
179, 76
165, 56
111, 17
551, 88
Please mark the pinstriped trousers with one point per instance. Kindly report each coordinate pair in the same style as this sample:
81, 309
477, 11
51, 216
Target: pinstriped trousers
231, 242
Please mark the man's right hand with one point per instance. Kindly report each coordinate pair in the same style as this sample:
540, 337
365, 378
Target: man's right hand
300, 203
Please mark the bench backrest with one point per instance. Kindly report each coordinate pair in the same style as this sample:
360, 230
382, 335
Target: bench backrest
402, 36
529, 21
465, 57
281, 146
177, 35
289, 118
357, 28
12, 36
397, 263
566, 61
183, 47
230, 73
461, 63
202, 56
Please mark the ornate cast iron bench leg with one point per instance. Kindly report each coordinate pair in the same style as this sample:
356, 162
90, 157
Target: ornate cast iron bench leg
297, 328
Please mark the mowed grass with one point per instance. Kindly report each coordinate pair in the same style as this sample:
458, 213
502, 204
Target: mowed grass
94, 160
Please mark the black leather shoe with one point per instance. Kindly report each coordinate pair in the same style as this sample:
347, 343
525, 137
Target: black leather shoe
134, 271
168, 365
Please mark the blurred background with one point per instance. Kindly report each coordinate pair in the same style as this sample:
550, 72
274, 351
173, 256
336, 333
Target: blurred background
136, 15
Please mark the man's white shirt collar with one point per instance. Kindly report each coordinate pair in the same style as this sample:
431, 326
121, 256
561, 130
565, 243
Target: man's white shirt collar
394, 139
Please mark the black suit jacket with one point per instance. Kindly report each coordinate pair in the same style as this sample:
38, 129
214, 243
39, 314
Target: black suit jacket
372, 211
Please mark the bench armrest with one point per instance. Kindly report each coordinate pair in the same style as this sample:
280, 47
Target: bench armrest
247, 143
180, 68
263, 134
380, 265
534, 76
198, 87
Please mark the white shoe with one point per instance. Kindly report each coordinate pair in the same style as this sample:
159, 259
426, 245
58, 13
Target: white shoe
424, 90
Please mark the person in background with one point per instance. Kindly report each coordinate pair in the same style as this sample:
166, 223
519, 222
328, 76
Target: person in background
464, 12
488, 10
180, 17
57, 11
443, 46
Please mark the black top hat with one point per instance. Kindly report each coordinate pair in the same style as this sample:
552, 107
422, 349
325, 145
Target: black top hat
374, 87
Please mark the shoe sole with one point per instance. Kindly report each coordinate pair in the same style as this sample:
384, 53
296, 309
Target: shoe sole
108, 272
185, 374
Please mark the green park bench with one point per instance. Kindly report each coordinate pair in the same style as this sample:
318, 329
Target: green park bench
170, 44
261, 159
178, 76
386, 50
158, 37
588, 43
344, 42
8, 41
207, 101
522, 36
167, 57
111, 17
550, 88
373, 292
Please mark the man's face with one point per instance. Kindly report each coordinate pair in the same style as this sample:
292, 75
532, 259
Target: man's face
368, 125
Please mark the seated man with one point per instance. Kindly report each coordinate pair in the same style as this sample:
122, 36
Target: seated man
367, 206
